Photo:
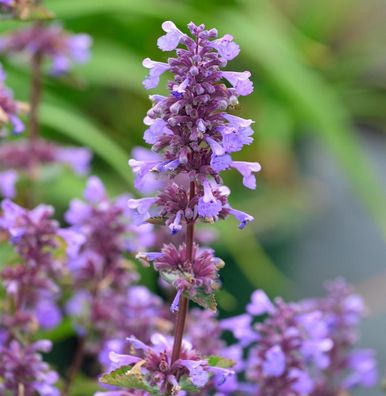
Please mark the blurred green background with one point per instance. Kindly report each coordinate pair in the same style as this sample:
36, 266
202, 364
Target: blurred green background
319, 70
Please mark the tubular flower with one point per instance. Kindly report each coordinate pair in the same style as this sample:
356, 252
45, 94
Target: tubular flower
198, 279
39, 241
152, 366
23, 371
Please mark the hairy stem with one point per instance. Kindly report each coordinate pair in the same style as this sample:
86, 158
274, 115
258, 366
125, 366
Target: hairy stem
184, 302
35, 96
75, 366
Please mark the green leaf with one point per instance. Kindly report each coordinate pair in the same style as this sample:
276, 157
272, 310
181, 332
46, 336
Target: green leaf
8, 254
69, 122
129, 377
219, 361
197, 294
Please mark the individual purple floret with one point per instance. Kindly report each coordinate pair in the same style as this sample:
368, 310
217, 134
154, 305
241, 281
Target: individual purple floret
191, 129
49, 41
151, 365
10, 110
8, 181
22, 156
23, 371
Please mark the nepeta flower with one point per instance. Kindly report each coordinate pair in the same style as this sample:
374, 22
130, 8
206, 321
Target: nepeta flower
152, 365
198, 278
101, 271
23, 371
10, 110
191, 129
290, 345
44, 249
8, 181
51, 42
349, 367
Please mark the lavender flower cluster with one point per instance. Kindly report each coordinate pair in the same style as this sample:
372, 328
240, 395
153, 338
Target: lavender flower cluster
304, 348
195, 138
32, 295
50, 42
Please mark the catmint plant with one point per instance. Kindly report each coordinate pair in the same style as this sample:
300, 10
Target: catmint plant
102, 272
41, 249
195, 137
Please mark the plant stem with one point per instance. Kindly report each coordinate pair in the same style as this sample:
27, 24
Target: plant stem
35, 94
33, 124
75, 366
183, 302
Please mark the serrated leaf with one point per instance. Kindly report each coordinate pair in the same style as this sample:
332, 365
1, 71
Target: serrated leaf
197, 294
129, 377
219, 361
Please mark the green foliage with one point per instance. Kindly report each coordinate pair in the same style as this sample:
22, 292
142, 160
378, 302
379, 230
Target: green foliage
129, 377
198, 295
219, 361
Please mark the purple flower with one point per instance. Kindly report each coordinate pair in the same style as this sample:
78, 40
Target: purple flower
240, 81
156, 368
208, 205
49, 41
47, 314
22, 367
260, 304
226, 47
194, 278
362, 369
78, 158
8, 180
171, 39
142, 163
19, 156
246, 169
156, 70
242, 217
191, 130
274, 362
157, 128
